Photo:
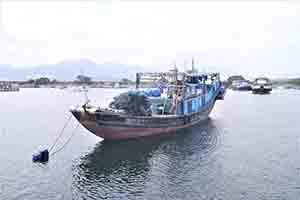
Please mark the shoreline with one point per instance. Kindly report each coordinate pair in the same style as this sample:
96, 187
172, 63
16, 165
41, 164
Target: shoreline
283, 83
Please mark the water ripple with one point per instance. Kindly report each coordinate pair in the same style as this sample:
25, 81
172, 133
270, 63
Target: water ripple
125, 169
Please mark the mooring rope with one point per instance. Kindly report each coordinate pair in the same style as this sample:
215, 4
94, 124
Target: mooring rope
64, 145
61, 132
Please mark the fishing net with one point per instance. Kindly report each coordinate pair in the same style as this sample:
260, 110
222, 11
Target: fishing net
133, 103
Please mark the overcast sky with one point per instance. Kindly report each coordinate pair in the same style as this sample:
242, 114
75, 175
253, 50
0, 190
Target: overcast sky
247, 37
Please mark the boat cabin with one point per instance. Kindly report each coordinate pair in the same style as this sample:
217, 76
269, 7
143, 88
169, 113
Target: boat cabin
262, 81
180, 93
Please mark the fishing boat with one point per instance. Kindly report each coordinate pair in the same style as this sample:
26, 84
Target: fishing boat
262, 85
180, 99
242, 85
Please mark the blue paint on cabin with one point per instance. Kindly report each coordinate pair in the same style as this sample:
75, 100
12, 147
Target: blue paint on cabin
185, 107
199, 103
209, 95
194, 105
199, 86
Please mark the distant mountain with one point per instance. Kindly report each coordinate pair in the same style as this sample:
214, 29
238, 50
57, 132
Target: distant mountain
68, 70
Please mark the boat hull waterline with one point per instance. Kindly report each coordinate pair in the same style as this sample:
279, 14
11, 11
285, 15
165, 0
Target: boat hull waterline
262, 85
262, 90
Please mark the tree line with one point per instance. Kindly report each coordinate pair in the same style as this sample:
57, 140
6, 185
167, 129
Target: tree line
82, 79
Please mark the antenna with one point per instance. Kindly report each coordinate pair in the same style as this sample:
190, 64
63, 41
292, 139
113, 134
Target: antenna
193, 69
176, 73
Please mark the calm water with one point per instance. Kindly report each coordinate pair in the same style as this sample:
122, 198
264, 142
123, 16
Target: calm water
249, 149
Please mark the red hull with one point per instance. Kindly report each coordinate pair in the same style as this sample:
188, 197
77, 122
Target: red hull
117, 133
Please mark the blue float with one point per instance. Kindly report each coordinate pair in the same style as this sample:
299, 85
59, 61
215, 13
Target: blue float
42, 155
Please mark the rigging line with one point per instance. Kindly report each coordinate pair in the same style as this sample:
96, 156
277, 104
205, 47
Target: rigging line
61, 132
73, 133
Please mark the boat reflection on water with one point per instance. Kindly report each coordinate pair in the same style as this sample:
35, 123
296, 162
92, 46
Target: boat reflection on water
133, 168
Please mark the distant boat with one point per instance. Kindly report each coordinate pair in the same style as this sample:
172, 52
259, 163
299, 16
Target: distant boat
8, 87
234, 78
181, 100
241, 85
62, 87
262, 85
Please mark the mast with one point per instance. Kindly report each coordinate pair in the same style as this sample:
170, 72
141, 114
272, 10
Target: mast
193, 69
177, 89
137, 81
176, 73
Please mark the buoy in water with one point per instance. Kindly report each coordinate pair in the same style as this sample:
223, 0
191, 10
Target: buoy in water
41, 156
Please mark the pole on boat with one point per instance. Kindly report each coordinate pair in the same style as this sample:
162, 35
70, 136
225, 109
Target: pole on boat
176, 88
137, 81
193, 69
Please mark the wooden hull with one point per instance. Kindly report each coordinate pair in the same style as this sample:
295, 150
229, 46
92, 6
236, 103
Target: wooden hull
244, 88
118, 133
111, 126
